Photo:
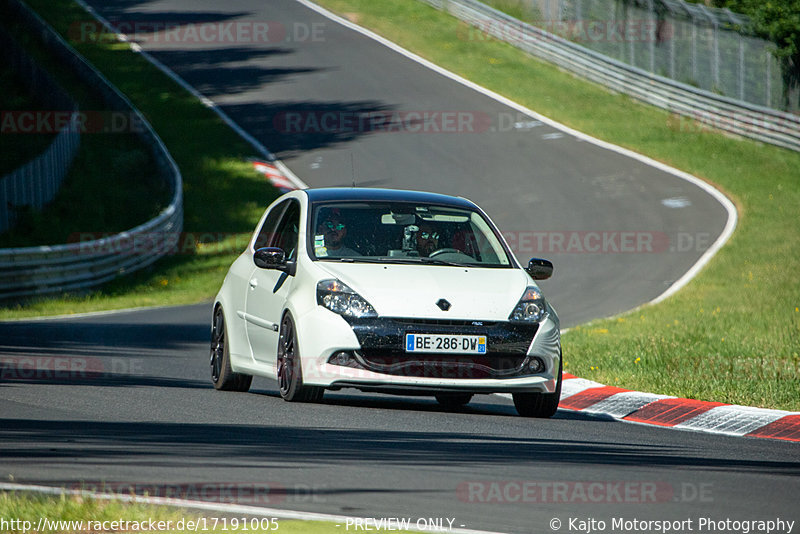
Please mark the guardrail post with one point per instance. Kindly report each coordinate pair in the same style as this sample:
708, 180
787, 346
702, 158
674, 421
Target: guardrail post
769, 81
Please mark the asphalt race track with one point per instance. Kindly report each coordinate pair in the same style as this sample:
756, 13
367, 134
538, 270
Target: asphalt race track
126, 400
149, 419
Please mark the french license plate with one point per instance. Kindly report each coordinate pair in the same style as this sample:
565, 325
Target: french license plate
459, 344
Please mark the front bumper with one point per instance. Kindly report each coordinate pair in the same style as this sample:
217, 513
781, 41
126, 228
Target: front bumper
379, 362
382, 350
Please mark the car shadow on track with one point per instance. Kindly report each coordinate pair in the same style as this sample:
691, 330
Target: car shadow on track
152, 444
480, 404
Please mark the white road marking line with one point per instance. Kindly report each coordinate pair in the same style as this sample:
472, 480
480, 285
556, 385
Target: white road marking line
214, 507
676, 202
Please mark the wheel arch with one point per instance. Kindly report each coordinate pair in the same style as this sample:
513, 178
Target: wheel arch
238, 346
308, 361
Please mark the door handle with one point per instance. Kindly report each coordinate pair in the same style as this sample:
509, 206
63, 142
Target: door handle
253, 283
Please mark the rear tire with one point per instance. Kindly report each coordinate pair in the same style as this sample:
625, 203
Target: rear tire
290, 372
541, 405
453, 400
222, 376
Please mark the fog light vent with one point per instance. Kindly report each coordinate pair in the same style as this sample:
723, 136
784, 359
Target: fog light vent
344, 359
536, 365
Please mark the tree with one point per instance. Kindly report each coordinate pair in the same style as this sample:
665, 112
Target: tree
779, 22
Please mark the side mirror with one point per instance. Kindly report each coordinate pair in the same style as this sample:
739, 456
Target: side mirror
539, 269
274, 258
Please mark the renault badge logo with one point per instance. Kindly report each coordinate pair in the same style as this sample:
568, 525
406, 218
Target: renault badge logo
443, 305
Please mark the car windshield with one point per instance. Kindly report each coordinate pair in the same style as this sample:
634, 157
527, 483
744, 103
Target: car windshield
381, 232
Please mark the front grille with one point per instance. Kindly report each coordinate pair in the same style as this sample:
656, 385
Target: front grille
398, 363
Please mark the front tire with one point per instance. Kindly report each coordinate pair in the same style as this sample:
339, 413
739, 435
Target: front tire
222, 376
290, 373
541, 405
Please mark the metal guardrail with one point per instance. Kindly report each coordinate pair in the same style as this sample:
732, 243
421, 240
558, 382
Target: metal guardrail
708, 48
51, 269
36, 182
724, 113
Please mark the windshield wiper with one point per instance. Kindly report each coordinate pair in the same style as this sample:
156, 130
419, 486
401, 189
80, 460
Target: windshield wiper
362, 259
436, 261
407, 260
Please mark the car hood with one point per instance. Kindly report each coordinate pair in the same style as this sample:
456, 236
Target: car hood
414, 290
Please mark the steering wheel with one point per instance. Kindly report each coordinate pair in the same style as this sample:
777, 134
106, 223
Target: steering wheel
444, 251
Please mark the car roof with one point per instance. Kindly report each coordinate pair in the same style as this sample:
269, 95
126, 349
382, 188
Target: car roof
344, 194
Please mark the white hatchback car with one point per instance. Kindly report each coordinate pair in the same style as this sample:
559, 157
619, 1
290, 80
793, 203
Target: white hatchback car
386, 291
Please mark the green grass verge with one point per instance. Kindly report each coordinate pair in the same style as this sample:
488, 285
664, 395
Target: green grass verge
112, 184
732, 335
223, 195
31, 508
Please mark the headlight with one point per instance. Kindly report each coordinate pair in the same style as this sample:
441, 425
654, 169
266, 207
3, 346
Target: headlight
531, 307
339, 298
